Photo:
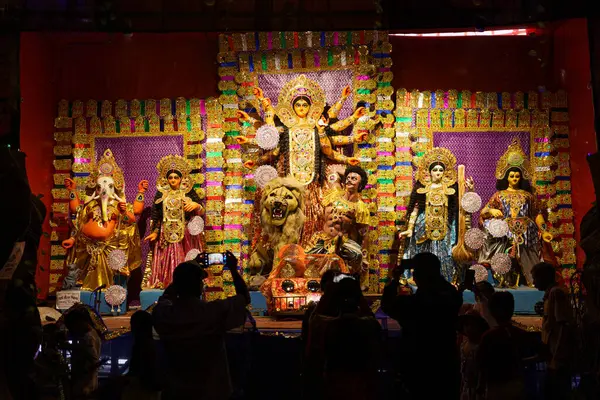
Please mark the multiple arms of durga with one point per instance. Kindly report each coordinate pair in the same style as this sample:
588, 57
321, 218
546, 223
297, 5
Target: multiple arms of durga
326, 142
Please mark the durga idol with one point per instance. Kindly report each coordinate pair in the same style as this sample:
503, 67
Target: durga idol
302, 119
176, 221
105, 238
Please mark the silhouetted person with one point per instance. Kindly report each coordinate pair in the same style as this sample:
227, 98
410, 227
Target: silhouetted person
557, 331
342, 343
326, 279
502, 352
193, 333
428, 320
144, 381
471, 327
85, 352
51, 369
352, 346
483, 293
20, 325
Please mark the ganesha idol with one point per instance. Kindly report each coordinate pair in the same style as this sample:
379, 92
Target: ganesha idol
105, 240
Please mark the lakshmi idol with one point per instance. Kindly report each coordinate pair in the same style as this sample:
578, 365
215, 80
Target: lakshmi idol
105, 238
176, 204
515, 203
300, 112
433, 210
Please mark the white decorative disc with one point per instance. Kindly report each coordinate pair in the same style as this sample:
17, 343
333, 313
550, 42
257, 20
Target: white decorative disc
501, 263
497, 228
264, 174
481, 273
471, 202
196, 225
192, 254
474, 238
267, 137
117, 259
115, 295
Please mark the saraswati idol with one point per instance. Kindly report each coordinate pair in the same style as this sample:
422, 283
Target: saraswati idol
176, 222
433, 224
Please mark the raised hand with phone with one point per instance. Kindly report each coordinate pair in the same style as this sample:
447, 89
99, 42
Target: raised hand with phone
229, 262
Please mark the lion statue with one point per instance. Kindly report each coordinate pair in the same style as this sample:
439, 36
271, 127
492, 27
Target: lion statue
282, 218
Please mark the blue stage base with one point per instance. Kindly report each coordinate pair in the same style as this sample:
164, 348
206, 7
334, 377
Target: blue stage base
525, 300
148, 297
258, 306
105, 308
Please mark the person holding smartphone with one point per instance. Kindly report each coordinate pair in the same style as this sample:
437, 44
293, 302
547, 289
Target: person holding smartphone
192, 332
428, 319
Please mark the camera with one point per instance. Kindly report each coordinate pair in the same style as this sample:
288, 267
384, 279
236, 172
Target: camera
209, 259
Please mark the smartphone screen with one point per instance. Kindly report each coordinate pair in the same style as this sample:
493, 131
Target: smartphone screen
215, 258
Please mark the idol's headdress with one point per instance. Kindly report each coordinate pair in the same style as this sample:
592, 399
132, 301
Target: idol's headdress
514, 157
173, 163
437, 155
299, 87
107, 167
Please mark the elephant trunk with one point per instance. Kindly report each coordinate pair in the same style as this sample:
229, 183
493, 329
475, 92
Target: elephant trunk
104, 198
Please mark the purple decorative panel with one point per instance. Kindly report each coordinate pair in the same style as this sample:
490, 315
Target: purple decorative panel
137, 157
479, 152
332, 83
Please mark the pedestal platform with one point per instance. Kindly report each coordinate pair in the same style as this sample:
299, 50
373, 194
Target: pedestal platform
66, 298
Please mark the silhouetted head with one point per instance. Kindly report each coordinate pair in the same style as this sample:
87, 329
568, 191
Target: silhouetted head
327, 278
187, 279
427, 269
502, 307
141, 324
472, 326
348, 295
78, 321
484, 289
544, 276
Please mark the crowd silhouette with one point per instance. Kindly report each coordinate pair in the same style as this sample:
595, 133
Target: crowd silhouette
180, 350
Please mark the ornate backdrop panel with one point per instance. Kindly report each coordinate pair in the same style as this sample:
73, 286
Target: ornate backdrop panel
139, 133
419, 121
456, 119
479, 151
334, 59
138, 164
332, 83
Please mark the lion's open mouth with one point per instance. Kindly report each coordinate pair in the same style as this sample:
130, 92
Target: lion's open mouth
278, 211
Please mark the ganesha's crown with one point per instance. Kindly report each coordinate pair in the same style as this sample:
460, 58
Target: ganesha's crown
107, 167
